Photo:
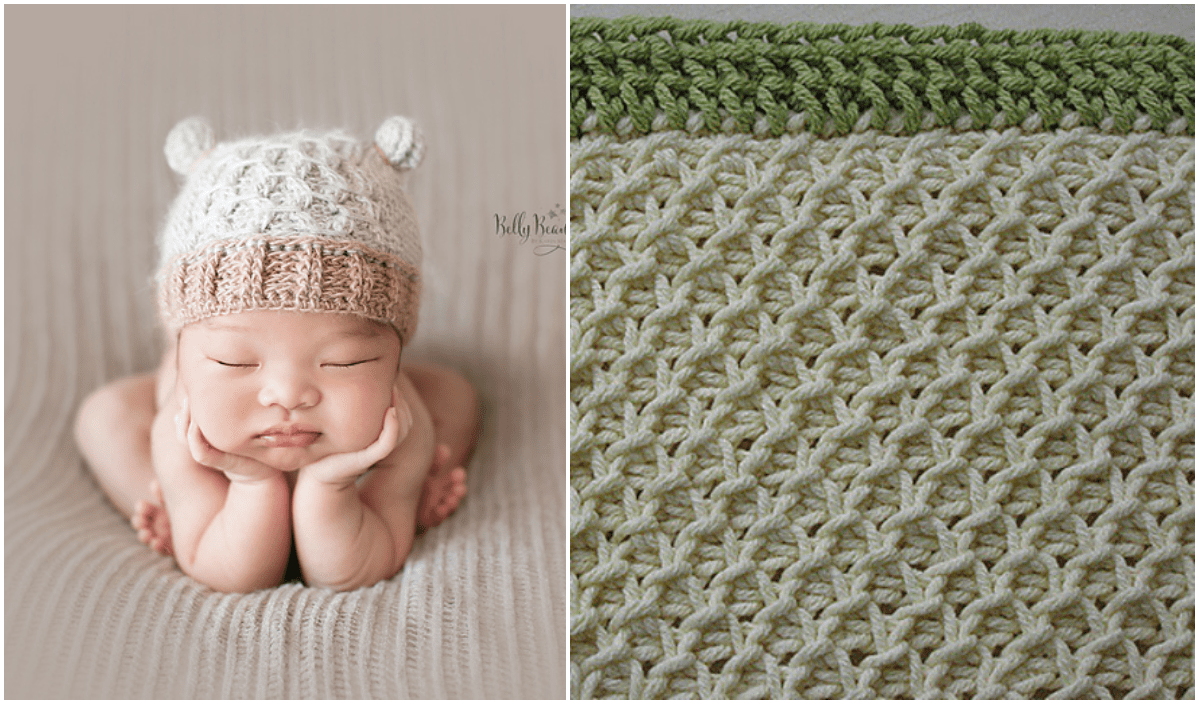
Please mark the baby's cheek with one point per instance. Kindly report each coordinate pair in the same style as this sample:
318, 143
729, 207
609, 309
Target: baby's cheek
218, 421
364, 416
210, 408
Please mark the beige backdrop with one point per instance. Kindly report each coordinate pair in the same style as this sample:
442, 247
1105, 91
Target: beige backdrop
480, 608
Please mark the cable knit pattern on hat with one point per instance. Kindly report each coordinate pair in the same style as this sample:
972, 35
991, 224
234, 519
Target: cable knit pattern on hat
300, 221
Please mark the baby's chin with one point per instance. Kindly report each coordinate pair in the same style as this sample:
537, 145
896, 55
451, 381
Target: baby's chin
291, 459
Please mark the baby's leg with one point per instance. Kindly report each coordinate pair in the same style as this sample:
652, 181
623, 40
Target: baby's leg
113, 433
454, 408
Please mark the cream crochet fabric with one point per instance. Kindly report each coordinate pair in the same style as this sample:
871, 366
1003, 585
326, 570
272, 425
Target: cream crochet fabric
882, 415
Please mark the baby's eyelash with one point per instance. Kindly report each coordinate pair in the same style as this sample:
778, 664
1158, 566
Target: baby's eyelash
236, 365
233, 364
350, 364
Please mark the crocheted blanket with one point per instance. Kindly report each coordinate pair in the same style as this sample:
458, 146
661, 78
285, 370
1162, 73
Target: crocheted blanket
882, 362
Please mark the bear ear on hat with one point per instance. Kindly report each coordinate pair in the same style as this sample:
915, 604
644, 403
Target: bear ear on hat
400, 143
187, 143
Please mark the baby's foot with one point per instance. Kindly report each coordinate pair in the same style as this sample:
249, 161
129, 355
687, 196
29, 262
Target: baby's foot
443, 491
151, 522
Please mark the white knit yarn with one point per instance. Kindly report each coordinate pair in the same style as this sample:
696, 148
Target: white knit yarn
296, 184
400, 141
187, 142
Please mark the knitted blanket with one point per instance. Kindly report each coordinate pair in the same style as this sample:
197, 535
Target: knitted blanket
882, 362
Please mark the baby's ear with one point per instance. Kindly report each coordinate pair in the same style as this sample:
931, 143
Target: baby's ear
400, 143
187, 143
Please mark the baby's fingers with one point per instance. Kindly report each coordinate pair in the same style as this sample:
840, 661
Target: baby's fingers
347, 466
207, 455
202, 451
236, 467
386, 442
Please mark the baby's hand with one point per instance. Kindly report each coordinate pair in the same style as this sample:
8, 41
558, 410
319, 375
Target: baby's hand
237, 468
344, 468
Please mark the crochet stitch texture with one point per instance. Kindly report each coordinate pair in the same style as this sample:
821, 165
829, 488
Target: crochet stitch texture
887, 413
301, 221
663, 73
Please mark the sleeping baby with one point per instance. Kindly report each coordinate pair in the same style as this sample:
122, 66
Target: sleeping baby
281, 435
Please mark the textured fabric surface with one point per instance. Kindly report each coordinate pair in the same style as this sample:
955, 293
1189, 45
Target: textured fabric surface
290, 273
286, 207
479, 608
333, 186
881, 415
645, 74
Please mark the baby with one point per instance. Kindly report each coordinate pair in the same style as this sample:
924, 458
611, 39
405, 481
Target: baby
281, 432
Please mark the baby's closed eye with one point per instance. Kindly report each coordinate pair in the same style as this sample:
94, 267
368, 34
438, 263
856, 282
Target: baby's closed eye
343, 365
236, 365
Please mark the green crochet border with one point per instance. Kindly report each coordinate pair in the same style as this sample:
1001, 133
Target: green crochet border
639, 67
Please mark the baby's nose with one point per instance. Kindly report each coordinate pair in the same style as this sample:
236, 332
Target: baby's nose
289, 389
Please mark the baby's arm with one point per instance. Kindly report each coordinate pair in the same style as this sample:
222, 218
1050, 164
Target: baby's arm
231, 527
352, 533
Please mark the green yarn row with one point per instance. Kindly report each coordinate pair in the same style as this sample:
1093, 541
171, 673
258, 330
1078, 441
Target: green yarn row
639, 67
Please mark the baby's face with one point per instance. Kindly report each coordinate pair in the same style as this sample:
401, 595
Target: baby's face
288, 388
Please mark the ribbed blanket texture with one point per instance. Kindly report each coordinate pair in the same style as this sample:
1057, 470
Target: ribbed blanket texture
882, 362
479, 609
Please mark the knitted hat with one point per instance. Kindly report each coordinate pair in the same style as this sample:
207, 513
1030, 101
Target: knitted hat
297, 222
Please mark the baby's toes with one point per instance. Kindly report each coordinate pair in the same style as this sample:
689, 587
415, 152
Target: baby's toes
156, 490
446, 507
453, 498
140, 518
428, 516
151, 540
437, 512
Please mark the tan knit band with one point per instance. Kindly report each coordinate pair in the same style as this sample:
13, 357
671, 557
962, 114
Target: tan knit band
292, 274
